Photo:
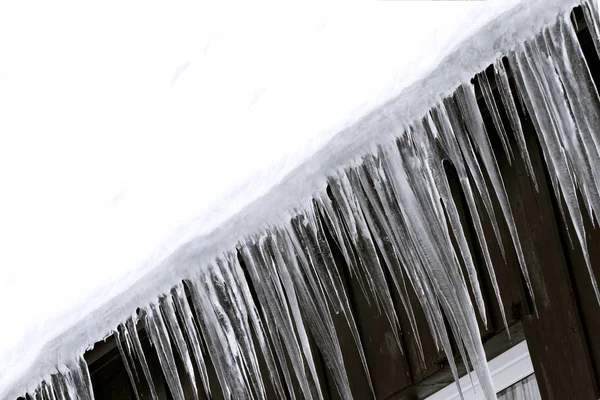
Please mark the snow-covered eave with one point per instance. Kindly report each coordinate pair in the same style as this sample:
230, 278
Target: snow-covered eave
279, 200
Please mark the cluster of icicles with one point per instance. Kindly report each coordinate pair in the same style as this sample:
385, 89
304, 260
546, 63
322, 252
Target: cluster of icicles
71, 381
392, 211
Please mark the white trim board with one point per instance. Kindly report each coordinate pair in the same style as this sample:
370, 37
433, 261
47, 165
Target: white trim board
507, 369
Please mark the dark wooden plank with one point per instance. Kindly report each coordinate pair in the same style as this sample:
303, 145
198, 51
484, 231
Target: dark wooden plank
555, 337
389, 369
587, 303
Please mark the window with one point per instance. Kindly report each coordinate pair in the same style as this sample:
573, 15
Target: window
512, 373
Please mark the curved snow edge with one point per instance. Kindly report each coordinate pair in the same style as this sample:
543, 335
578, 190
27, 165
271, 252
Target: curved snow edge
472, 56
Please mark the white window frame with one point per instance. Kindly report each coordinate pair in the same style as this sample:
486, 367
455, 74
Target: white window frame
507, 369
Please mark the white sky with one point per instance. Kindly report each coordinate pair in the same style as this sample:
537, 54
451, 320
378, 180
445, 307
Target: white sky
123, 120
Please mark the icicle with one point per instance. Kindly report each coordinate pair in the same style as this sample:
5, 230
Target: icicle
240, 320
48, 391
308, 236
272, 244
513, 116
59, 385
80, 381
125, 358
157, 331
584, 105
168, 309
435, 261
383, 229
463, 155
404, 244
224, 317
185, 312
71, 382
130, 330
342, 237
488, 97
426, 162
465, 97
360, 237
316, 309
265, 268
217, 341
451, 148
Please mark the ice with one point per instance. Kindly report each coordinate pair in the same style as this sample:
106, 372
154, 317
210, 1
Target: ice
513, 116
178, 232
357, 234
159, 337
128, 363
467, 105
130, 330
185, 313
168, 309
70, 383
488, 97
283, 317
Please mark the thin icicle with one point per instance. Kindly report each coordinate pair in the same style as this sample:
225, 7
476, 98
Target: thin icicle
47, 391
436, 261
225, 315
185, 312
374, 202
130, 330
294, 304
442, 128
310, 232
59, 385
584, 104
343, 237
159, 337
357, 231
427, 161
488, 97
515, 122
168, 309
126, 358
462, 150
315, 307
77, 380
465, 97
280, 304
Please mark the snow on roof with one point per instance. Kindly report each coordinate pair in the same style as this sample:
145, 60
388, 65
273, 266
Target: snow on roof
129, 128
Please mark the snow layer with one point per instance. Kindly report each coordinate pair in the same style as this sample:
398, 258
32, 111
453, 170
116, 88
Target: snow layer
140, 139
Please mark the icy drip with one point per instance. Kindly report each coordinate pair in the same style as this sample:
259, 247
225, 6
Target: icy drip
127, 362
71, 382
488, 97
511, 109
